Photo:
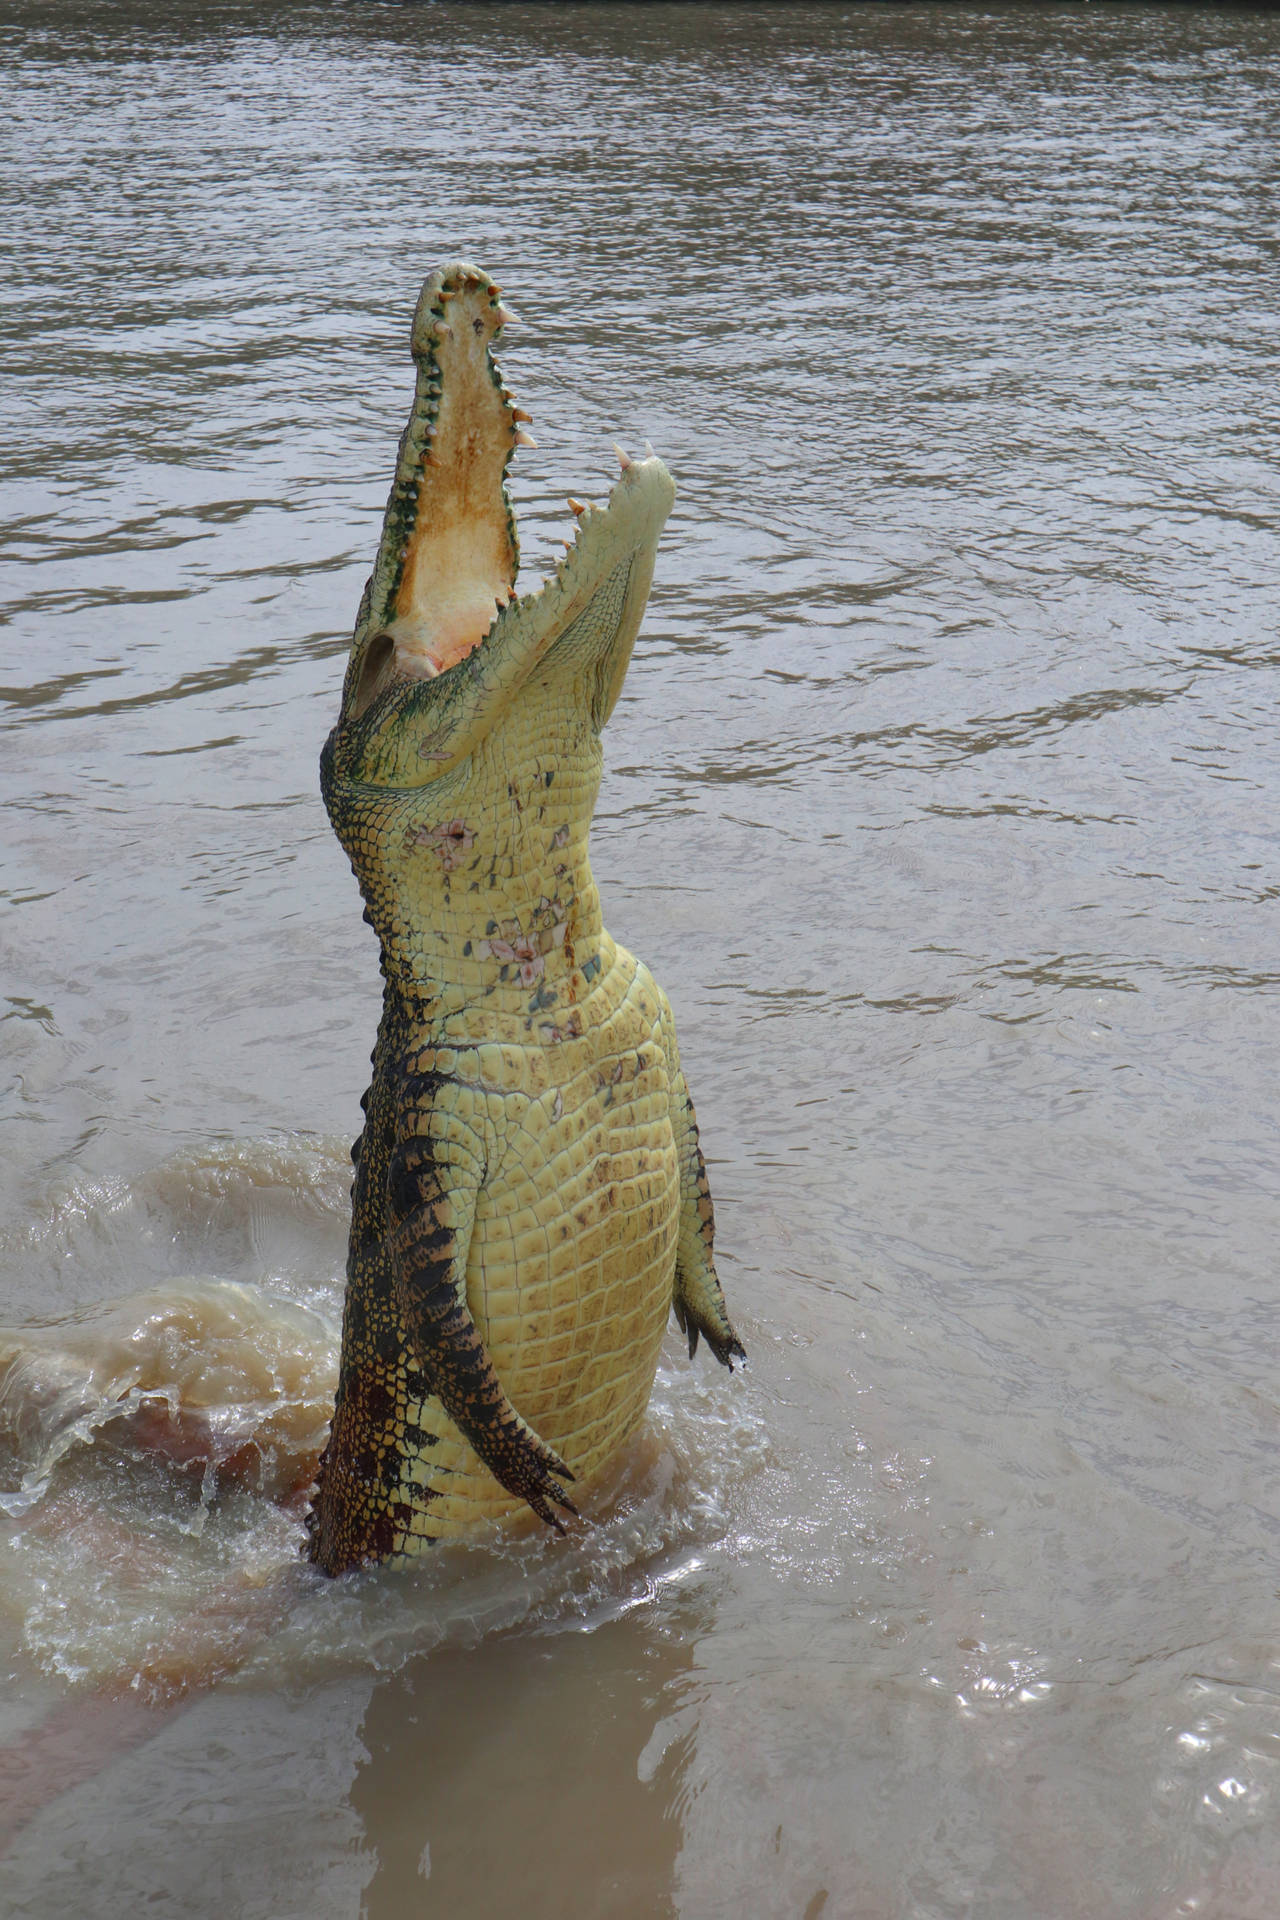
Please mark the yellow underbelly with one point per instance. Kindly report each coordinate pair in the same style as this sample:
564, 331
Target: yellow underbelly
572, 1256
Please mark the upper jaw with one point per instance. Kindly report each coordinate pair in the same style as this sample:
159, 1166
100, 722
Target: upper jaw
443, 584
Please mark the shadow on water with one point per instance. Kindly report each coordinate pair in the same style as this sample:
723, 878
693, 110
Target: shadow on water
533, 1789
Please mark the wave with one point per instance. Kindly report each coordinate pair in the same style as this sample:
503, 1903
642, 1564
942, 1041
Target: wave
157, 1449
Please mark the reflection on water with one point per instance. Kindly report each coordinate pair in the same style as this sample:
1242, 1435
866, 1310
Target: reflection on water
939, 797
517, 1805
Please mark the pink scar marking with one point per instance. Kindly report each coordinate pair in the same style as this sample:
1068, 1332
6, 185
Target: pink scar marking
451, 839
527, 950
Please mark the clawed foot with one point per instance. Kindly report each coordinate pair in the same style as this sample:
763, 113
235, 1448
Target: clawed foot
719, 1335
527, 1467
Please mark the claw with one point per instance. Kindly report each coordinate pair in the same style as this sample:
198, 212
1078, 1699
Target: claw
538, 1499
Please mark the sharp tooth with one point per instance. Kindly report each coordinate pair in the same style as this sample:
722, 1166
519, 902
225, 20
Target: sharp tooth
568, 547
448, 293
506, 317
441, 331
624, 459
518, 413
579, 506
525, 440
649, 453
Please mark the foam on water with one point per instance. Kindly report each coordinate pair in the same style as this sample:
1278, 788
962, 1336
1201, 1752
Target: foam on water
156, 1451
218, 1376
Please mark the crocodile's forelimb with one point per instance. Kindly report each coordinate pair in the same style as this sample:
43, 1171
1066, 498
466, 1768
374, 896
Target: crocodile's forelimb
436, 1175
696, 1298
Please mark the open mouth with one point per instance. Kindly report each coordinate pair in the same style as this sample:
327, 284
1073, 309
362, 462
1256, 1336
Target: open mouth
446, 571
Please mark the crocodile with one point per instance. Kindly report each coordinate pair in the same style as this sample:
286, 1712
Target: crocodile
530, 1201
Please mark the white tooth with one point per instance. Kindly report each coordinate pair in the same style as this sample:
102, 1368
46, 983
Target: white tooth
624, 459
525, 440
649, 453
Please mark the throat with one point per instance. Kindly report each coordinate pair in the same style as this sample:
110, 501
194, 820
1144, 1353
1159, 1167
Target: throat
502, 950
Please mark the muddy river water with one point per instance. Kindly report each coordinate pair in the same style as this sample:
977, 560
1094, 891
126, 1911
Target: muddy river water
942, 800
